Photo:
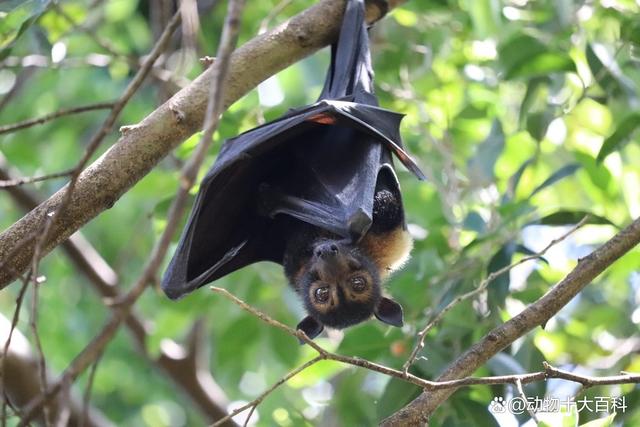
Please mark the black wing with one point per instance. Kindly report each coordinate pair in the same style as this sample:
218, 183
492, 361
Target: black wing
318, 164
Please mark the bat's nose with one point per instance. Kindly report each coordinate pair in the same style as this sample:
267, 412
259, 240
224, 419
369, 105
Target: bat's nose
327, 251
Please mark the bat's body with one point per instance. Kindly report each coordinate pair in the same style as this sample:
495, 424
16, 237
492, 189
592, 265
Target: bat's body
315, 191
340, 280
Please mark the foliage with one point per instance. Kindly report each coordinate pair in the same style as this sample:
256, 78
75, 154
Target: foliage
522, 113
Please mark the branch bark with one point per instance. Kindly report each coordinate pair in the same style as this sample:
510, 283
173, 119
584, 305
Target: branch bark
23, 383
142, 146
417, 412
184, 365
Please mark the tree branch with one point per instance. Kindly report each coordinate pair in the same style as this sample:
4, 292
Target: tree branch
142, 146
185, 367
48, 117
45, 222
478, 290
16, 182
440, 385
121, 310
417, 412
22, 381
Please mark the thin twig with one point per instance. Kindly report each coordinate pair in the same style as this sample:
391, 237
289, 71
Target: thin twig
264, 24
269, 320
42, 363
31, 179
121, 310
87, 392
90, 31
481, 288
162, 74
35, 61
41, 233
104, 280
588, 381
549, 371
538, 313
254, 403
52, 116
138, 152
523, 396
5, 352
119, 105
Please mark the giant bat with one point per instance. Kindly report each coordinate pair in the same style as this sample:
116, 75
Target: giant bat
315, 191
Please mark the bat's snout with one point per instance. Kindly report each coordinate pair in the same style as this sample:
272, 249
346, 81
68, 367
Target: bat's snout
327, 251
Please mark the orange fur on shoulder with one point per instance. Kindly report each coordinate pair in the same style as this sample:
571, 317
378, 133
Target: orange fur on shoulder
389, 251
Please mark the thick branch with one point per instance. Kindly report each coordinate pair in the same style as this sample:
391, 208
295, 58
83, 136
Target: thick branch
23, 383
175, 361
96, 347
517, 380
142, 146
417, 412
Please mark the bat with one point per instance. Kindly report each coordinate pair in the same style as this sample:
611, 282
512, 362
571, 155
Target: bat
315, 191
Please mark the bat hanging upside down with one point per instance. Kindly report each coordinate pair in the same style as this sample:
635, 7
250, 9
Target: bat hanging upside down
314, 191
340, 280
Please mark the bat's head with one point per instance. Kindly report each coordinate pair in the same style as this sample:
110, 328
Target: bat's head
340, 287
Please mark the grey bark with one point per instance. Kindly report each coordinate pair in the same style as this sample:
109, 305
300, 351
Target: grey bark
142, 146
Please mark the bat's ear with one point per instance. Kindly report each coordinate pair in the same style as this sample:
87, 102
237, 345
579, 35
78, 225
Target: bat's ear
310, 326
389, 312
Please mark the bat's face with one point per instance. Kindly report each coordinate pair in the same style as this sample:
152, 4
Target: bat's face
341, 286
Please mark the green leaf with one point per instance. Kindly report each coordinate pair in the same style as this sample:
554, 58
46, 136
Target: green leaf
396, 394
14, 23
474, 222
607, 72
567, 217
601, 422
522, 249
405, 17
518, 50
558, 419
531, 358
527, 56
543, 64
323, 370
537, 124
284, 347
512, 186
485, 15
561, 173
533, 88
473, 413
599, 176
481, 166
237, 340
630, 31
499, 288
366, 341
623, 132
504, 364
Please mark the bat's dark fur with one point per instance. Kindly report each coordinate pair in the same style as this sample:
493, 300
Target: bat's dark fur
340, 281
314, 190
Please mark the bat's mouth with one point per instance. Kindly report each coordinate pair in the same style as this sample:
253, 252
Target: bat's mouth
349, 314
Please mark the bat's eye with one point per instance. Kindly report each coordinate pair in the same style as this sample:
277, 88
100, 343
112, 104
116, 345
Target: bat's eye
358, 284
322, 294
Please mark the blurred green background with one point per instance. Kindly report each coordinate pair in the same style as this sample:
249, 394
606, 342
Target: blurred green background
522, 114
